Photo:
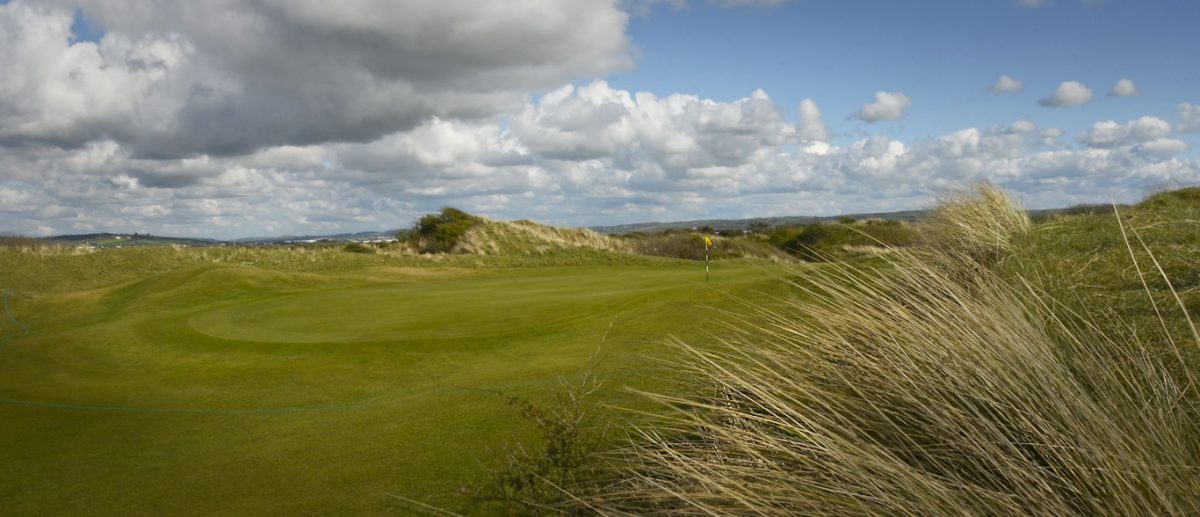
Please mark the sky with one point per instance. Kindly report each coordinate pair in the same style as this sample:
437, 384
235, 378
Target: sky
238, 118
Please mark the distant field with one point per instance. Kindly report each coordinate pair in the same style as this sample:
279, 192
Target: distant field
167, 381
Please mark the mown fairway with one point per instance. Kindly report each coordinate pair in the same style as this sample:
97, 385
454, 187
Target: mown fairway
237, 389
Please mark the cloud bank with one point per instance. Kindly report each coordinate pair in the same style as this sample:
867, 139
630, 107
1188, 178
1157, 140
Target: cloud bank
590, 154
227, 77
232, 118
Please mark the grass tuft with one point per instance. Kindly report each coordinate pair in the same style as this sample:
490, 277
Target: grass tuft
904, 390
983, 225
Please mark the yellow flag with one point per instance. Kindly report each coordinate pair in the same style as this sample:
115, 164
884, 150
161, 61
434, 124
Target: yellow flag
707, 242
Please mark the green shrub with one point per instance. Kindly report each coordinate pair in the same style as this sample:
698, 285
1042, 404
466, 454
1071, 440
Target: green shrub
690, 246
440, 232
837, 241
358, 247
564, 462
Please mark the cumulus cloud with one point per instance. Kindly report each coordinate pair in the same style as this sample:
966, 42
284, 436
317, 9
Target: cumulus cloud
1109, 133
811, 126
1068, 94
887, 106
1163, 147
1124, 88
1022, 127
1189, 117
677, 131
589, 154
227, 77
1006, 84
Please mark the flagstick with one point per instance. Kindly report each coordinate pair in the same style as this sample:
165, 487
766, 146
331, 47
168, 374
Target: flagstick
706, 259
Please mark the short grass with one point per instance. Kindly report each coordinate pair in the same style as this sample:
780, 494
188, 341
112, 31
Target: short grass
309, 380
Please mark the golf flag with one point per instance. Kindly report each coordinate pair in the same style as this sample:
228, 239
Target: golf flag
707, 244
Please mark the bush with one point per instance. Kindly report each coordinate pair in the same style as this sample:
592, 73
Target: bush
358, 247
440, 232
690, 246
565, 463
836, 241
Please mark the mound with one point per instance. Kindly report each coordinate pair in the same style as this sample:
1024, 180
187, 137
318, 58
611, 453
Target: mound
690, 246
490, 237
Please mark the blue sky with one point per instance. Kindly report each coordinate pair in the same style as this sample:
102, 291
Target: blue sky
943, 54
233, 118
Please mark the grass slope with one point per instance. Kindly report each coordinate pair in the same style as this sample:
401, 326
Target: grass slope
277, 381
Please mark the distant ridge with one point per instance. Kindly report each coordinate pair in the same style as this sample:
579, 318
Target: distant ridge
107, 239
744, 224
112, 240
356, 236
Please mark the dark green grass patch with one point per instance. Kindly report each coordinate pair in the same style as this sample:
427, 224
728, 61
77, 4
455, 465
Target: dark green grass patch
252, 381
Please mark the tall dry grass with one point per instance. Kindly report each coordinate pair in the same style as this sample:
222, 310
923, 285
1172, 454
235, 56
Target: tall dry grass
904, 390
983, 224
530, 238
41, 247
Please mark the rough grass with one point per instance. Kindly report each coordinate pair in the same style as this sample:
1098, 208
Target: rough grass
42, 247
842, 240
529, 238
690, 246
905, 390
984, 225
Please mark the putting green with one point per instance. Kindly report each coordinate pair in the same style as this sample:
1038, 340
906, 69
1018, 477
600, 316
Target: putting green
256, 389
491, 305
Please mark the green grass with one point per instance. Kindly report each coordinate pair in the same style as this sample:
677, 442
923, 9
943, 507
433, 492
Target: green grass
310, 380
1084, 261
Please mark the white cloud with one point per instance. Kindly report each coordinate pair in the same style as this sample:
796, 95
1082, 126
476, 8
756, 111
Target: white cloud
1069, 93
887, 106
226, 77
591, 154
1022, 127
1163, 147
1050, 137
1124, 88
1109, 133
811, 126
1189, 117
1006, 84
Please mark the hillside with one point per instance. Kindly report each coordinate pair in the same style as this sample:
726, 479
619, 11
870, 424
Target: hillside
490, 237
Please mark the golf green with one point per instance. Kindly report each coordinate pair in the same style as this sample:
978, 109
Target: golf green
231, 389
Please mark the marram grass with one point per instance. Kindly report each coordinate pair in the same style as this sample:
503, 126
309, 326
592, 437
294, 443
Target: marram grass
984, 225
903, 390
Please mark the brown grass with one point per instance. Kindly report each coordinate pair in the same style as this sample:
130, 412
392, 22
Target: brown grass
529, 238
984, 225
903, 390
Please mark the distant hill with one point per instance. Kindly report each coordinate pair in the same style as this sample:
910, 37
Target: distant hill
126, 240
745, 224
490, 237
519, 231
367, 236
